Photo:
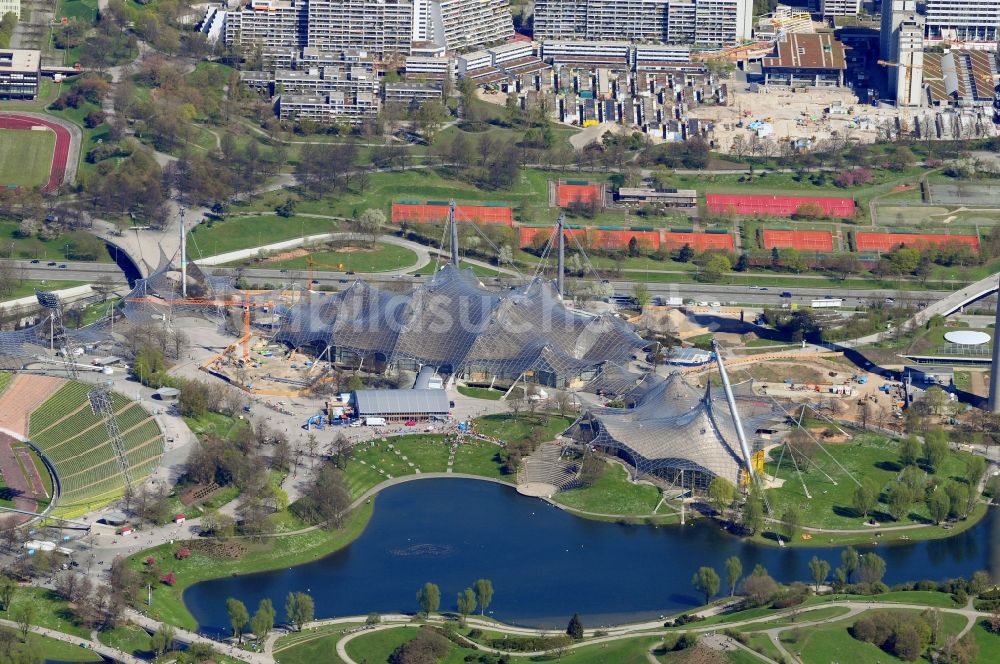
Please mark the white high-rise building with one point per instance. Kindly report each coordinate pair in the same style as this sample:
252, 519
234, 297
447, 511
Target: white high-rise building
267, 25
382, 27
704, 22
10, 7
465, 24
840, 7
902, 47
963, 20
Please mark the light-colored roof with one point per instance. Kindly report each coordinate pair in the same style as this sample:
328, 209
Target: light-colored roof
378, 402
19, 60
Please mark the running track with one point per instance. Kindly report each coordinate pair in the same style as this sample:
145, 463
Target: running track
61, 153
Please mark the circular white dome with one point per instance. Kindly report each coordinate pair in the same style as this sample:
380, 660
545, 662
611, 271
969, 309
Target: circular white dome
967, 337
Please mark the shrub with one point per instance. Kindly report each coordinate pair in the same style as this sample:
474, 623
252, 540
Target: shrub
149, 561
169, 578
182, 553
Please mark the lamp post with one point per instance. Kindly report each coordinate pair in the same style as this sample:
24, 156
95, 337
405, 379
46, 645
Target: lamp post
66, 250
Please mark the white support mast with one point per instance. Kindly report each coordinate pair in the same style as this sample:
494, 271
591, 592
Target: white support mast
737, 422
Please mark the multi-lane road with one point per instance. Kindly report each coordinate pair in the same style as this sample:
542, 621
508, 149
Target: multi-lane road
79, 271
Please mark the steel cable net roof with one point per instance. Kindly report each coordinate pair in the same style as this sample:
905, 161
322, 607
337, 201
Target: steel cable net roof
677, 425
454, 322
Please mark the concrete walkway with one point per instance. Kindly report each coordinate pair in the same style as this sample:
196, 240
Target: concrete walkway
186, 636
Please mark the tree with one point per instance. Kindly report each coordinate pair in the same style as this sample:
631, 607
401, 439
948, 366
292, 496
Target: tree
263, 620
24, 614
371, 222
753, 513
575, 627
734, 570
900, 499
849, 562
238, 616
721, 493
484, 594
162, 640
909, 451
429, 598
716, 266
865, 499
7, 590
641, 293
935, 446
871, 568
958, 495
300, 609
975, 469
820, 569
466, 603
706, 581
791, 522
938, 504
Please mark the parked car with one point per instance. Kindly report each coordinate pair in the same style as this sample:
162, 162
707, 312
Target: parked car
411, 423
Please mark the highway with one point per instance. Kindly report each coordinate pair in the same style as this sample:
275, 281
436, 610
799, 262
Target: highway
770, 296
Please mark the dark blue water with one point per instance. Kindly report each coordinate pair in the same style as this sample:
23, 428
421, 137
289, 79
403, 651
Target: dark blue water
545, 564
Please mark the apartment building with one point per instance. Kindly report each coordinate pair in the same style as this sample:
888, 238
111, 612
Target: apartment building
963, 20
840, 7
462, 24
383, 27
329, 109
703, 22
10, 7
267, 25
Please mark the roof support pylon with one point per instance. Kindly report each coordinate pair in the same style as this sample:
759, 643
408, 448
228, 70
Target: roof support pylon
737, 422
453, 227
560, 276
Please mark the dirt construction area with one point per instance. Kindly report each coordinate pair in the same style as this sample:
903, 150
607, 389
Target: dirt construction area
794, 115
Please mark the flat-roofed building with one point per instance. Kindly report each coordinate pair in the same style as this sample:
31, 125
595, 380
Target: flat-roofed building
840, 7
395, 405
804, 59
463, 24
19, 72
406, 93
675, 198
587, 53
963, 20
267, 24
330, 108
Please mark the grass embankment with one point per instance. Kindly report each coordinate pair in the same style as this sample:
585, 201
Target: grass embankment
374, 257
426, 453
12, 246
828, 504
234, 233
272, 553
508, 428
27, 287
54, 650
26, 157
131, 639
316, 645
480, 393
613, 494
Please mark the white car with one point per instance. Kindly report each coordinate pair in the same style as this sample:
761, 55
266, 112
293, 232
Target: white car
355, 423
716, 305
702, 304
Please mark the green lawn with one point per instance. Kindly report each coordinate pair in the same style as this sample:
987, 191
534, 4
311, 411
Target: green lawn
613, 493
427, 452
762, 644
168, 605
215, 424
377, 257
128, 638
506, 427
832, 641
50, 611
376, 647
25, 157
317, 645
828, 504
233, 233
988, 642
480, 393
32, 247
27, 287
61, 651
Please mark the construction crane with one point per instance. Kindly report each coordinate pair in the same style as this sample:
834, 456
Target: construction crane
243, 302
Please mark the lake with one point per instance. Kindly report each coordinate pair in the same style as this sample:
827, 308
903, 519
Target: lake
545, 563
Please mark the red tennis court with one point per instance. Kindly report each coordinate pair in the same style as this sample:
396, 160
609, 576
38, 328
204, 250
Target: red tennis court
803, 240
608, 239
864, 241
430, 213
589, 194
698, 241
777, 206
60, 155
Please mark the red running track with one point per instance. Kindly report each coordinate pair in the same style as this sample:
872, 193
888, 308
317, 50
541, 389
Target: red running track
60, 155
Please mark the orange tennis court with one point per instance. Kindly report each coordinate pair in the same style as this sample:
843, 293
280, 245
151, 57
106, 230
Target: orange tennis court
865, 241
568, 193
802, 240
777, 206
432, 213
699, 241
